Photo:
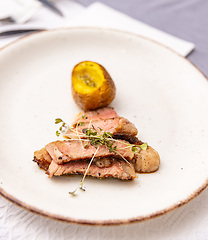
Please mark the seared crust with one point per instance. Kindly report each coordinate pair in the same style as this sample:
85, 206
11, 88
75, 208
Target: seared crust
42, 158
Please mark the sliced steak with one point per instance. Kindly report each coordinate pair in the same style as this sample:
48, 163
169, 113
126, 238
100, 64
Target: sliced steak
100, 114
118, 169
42, 158
116, 126
118, 161
70, 150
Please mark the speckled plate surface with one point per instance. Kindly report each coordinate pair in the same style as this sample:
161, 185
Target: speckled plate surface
161, 92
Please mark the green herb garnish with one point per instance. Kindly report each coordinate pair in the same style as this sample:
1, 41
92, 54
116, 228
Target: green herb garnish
96, 139
58, 120
134, 149
63, 128
143, 146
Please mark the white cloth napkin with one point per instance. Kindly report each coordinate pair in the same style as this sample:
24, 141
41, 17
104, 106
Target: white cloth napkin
101, 15
98, 15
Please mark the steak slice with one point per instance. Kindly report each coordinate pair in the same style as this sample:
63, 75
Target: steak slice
70, 150
100, 114
118, 169
117, 126
42, 158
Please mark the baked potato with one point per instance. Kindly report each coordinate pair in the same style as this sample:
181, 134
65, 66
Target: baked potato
92, 86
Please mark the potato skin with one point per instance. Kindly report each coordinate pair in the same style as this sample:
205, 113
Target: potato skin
97, 97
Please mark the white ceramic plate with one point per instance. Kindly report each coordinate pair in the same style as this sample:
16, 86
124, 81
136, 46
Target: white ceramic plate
161, 92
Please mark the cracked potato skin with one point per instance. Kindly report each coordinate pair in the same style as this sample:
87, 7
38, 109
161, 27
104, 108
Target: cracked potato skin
92, 86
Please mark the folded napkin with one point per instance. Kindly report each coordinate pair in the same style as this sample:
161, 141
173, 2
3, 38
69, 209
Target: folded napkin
98, 15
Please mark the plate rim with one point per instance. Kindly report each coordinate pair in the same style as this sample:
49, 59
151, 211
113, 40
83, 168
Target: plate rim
103, 222
52, 216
